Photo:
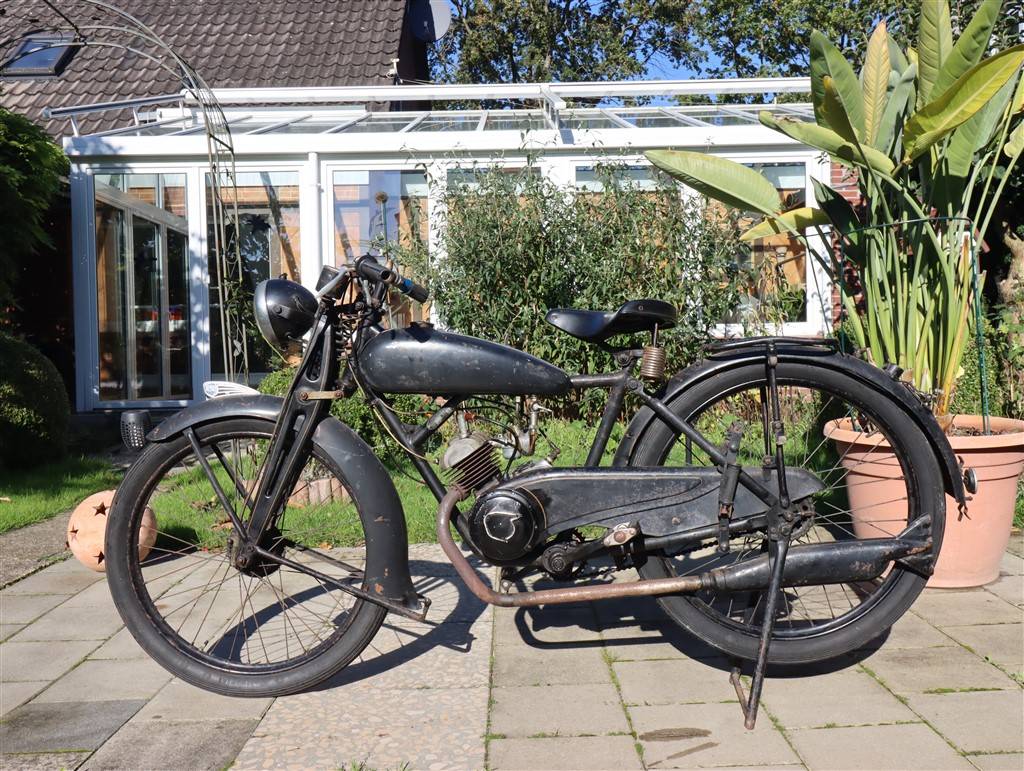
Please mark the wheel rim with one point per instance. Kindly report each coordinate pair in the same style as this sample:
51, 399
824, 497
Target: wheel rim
269, 618
806, 612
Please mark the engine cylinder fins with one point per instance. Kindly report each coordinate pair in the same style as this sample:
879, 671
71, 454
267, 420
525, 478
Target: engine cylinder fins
475, 469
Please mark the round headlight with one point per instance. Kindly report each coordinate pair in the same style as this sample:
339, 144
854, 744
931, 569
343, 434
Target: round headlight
284, 311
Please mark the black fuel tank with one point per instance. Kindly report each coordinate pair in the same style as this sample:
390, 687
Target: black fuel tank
423, 360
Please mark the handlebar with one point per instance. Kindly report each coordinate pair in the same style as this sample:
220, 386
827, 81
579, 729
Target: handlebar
367, 267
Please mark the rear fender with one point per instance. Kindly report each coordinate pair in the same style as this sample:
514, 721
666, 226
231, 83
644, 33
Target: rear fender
817, 354
383, 519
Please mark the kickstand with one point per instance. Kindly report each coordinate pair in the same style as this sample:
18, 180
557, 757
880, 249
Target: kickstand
750, 702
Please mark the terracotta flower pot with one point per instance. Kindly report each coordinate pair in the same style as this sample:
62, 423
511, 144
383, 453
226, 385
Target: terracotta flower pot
973, 546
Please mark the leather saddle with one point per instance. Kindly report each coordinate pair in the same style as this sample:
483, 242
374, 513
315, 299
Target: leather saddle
598, 326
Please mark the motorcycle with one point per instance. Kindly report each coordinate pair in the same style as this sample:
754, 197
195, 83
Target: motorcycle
725, 494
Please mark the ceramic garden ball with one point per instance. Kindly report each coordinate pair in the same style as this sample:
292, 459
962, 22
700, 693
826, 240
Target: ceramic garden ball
88, 525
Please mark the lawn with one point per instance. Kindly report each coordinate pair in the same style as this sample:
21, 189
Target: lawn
32, 495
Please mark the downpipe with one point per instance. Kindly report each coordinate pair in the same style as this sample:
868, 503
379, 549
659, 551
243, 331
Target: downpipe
809, 565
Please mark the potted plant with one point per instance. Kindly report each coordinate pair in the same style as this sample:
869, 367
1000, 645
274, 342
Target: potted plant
932, 135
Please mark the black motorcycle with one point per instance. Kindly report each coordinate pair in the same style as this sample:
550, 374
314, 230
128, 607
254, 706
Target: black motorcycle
726, 493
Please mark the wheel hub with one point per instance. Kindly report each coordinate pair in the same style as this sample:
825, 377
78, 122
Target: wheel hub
248, 561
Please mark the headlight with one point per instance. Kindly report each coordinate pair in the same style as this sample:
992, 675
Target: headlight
284, 311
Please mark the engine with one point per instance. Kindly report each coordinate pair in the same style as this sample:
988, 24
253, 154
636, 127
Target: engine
505, 524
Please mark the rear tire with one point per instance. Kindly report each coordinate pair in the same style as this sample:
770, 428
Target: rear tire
333, 638
886, 600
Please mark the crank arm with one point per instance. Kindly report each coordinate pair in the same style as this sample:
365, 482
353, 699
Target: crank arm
418, 613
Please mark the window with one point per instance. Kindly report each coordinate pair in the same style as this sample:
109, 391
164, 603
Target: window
592, 179
142, 291
780, 261
40, 56
266, 238
375, 208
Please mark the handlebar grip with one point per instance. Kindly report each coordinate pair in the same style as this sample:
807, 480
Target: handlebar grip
414, 290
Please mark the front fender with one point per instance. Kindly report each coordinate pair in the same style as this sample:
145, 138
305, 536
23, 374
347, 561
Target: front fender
380, 508
818, 355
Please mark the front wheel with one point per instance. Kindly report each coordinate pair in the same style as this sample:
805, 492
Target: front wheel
267, 629
813, 623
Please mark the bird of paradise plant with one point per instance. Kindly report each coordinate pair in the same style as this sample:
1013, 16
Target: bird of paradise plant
933, 133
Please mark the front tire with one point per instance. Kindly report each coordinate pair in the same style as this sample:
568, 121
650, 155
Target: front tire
269, 631
837, 618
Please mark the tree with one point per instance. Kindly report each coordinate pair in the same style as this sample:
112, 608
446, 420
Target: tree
31, 168
768, 38
533, 41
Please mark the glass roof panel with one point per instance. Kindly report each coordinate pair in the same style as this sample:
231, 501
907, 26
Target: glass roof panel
595, 120
511, 121
309, 126
648, 118
448, 123
385, 122
154, 130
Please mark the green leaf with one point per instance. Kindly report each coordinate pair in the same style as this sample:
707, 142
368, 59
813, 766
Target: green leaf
963, 99
826, 59
970, 47
975, 133
892, 118
727, 181
786, 222
875, 81
842, 216
834, 111
1015, 142
934, 42
828, 140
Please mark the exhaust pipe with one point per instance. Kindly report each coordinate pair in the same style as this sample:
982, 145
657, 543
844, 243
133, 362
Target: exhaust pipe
833, 563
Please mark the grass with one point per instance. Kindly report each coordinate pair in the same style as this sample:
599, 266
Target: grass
33, 495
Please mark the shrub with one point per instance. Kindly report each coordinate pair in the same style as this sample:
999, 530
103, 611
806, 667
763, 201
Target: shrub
967, 397
34, 408
516, 245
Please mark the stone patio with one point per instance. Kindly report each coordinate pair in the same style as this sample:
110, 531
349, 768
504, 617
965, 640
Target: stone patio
608, 686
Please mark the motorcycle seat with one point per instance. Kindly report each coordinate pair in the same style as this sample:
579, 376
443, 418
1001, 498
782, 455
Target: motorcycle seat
598, 326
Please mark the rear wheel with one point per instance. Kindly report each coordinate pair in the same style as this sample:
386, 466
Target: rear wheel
268, 629
813, 623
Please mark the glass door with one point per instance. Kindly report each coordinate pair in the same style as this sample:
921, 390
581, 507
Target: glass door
142, 288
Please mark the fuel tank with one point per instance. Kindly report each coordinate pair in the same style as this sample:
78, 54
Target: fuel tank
422, 360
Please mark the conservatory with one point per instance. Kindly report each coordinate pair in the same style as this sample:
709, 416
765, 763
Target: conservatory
320, 173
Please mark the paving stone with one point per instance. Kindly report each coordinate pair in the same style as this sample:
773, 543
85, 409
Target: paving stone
637, 641
673, 681
1012, 562
41, 660
989, 721
927, 669
42, 761
24, 608
444, 656
107, 680
847, 697
1003, 761
1009, 588
564, 754
95, 595
36, 727
899, 747
179, 700
50, 581
1001, 643
195, 744
569, 710
912, 632
629, 610
15, 694
442, 728
945, 607
522, 665
545, 626
121, 646
81, 623
702, 735
7, 630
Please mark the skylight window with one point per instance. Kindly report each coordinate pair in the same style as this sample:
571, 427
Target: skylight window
39, 56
